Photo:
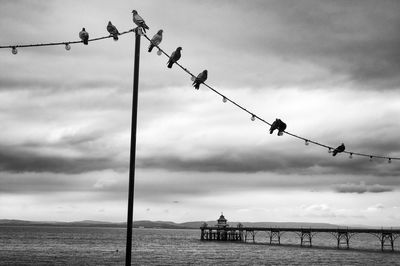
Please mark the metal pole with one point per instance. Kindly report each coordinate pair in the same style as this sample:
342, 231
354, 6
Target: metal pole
129, 223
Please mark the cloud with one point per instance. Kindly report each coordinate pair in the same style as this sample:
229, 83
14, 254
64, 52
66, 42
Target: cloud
245, 160
340, 42
317, 207
13, 159
319, 210
331, 74
108, 184
362, 188
349, 39
376, 207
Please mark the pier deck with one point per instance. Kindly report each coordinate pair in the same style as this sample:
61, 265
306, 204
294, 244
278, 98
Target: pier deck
386, 237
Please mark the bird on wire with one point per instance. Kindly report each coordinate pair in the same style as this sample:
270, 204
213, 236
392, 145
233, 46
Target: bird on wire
175, 56
339, 149
156, 40
139, 21
279, 125
202, 77
113, 31
84, 36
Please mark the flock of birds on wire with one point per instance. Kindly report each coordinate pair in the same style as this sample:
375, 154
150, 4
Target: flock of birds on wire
202, 77
278, 124
155, 41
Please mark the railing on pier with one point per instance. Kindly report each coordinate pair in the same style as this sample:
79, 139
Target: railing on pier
386, 237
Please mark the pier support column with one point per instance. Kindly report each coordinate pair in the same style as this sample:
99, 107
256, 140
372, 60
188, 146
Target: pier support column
387, 236
343, 239
241, 235
306, 237
253, 235
275, 236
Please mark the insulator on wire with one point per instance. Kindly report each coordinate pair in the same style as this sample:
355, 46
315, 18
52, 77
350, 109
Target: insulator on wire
306, 142
67, 46
390, 160
14, 50
253, 117
159, 52
351, 155
224, 99
370, 158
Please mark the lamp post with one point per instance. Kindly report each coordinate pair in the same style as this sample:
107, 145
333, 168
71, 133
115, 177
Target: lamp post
129, 223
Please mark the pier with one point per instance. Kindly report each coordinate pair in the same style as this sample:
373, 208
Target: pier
223, 232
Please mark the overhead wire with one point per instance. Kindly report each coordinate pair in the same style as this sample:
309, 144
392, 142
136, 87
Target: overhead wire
254, 116
224, 97
60, 43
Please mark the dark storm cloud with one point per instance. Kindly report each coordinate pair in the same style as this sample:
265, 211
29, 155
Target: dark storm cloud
358, 40
41, 183
7, 83
51, 84
264, 161
92, 186
362, 188
17, 159
224, 162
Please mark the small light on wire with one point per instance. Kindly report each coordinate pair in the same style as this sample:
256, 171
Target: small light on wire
192, 78
224, 99
159, 52
390, 160
370, 158
351, 155
253, 117
306, 142
14, 50
67, 47
139, 31
330, 150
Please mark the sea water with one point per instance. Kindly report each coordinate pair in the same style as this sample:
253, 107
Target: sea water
37, 245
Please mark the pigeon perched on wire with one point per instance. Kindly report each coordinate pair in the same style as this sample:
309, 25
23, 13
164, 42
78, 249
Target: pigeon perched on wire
279, 125
339, 149
113, 31
200, 79
84, 35
175, 56
156, 40
139, 21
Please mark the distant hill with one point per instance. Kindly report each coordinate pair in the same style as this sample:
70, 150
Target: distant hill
167, 224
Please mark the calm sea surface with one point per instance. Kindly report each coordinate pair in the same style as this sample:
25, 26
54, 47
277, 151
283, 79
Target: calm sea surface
106, 246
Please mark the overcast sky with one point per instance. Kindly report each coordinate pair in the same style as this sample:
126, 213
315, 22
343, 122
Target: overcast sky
329, 69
